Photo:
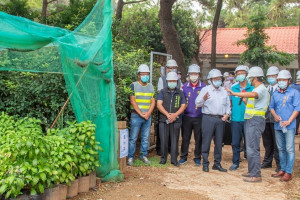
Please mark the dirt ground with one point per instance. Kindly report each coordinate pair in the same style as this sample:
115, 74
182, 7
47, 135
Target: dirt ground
190, 182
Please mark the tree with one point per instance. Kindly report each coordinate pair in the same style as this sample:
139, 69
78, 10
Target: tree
121, 4
169, 33
214, 34
257, 53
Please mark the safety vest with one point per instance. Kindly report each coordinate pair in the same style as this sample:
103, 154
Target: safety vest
251, 111
143, 96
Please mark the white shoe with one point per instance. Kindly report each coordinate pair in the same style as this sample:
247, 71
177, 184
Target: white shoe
145, 160
130, 161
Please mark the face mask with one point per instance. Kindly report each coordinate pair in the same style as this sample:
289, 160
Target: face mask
145, 78
248, 80
240, 78
282, 84
271, 81
230, 78
209, 82
217, 83
194, 78
172, 85
174, 70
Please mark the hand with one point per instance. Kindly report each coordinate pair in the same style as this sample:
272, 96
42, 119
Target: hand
206, 96
229, 90
277, 118
245, 100
146, 115
225, 117
173, 117
284, 123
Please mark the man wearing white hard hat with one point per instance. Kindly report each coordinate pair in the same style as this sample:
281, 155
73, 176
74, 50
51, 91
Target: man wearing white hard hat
268, 136
256, 107
215, 104
192, 116
171, 66
237, 114
171, 103
285, 106
142, 105
230, 80
296, 86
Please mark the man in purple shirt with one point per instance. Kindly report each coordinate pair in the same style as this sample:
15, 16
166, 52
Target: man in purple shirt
192, 116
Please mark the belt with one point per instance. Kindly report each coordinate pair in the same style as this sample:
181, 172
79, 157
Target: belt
216, 116
133, 111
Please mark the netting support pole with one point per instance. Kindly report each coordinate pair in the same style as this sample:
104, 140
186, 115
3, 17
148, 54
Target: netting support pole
67, 101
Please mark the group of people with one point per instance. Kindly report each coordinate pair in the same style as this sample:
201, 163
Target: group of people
253, 109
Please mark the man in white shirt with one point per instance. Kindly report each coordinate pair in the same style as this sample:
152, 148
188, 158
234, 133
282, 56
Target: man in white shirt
215, 104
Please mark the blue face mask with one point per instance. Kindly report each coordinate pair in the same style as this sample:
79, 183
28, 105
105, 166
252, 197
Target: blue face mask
282, 84
272, 81
172, 85
145, 78
240, 78
209, 82
217, 83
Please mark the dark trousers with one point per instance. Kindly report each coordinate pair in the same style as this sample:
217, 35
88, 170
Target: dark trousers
270, 145
188, 125
237, 130
212, 127
169, 132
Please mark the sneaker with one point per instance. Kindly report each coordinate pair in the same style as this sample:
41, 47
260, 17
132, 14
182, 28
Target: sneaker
145, 160
182, 161
197, 161
130, 161
233, 167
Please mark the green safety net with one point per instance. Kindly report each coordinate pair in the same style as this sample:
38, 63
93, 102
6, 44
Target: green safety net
84, 57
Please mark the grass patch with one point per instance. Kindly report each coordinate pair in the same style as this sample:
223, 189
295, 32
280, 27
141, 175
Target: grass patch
154, 163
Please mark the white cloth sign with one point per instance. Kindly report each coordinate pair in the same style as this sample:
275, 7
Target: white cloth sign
124, 143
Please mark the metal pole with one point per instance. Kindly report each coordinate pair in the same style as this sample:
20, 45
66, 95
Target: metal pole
151, 66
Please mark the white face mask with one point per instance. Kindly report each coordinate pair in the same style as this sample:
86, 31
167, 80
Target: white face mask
194, 78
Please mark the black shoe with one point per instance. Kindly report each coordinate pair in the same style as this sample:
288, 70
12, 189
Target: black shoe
205, 169
176, 164
265, 165
219, 167
162, 162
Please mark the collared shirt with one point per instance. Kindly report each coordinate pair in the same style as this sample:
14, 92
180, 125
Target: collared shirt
263, 99
284, 104
238, 110
228, 84
218, 102
191, 94
296, 86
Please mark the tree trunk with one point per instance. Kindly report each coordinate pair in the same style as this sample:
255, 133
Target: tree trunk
299, 46
214, 34
44, 10
170, 37
120, 9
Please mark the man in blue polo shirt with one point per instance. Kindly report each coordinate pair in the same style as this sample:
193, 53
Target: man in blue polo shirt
285, 106
238, 112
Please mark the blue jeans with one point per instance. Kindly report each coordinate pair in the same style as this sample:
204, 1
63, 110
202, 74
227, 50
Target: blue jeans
237, 129
137, 124
286, 147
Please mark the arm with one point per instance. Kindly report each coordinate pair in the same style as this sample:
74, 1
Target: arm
135, 106
243, 94
160, 84
152, 105
201, 98
161, 108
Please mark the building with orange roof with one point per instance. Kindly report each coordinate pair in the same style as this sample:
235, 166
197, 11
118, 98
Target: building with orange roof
228, 52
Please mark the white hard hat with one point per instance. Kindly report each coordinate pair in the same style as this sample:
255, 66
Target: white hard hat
214, 73
172, 76
255, 72
171, 63
226, 74
273, 70
298, 72
143, 68
194, 68
284, 74
241, 68
298, 77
